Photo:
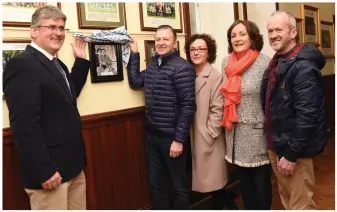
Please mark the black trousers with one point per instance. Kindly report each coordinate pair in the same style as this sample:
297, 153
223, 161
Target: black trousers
255, 186
164, 171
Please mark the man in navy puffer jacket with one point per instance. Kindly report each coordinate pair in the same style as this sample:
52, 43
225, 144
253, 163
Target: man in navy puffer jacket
169, 87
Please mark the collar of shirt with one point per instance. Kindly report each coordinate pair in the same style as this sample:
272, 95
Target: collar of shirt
44, 52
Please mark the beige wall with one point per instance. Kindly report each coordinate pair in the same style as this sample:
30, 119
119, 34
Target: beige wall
99, 97
326, 11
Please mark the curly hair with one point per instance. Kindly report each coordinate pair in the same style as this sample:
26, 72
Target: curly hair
211, 46
253, 33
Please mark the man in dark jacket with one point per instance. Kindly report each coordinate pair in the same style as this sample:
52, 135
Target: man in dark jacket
41, 97
169, 87
293, 101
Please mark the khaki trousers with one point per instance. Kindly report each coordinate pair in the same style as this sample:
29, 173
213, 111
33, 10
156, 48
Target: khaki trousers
70, 195
296, 191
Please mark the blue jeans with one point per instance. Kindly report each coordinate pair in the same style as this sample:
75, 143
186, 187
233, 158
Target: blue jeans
164, 171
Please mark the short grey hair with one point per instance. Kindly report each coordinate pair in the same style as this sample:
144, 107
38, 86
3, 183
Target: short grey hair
47, 12
291, 18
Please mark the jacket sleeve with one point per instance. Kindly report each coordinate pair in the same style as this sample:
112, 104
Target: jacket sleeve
23, 98
216, 109
184, 82
307, 98
79, 74
136, 78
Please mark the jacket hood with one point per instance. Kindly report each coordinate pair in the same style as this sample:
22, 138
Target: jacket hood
310, 52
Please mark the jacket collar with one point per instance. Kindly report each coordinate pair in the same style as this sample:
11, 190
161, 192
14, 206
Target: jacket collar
202, 78
166, 58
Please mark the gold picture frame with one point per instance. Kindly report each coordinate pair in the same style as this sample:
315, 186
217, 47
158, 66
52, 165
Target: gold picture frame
299, 26
16, 14
311, 29
327, 39
154, 14
101, 15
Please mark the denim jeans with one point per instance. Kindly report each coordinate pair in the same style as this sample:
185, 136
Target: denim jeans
164, 171
255, 186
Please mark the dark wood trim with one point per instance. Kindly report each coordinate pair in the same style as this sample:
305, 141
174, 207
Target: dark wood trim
236, 11
329, 94
143, 28
310, 8
187, 21
327, 23
277, 6
244, 8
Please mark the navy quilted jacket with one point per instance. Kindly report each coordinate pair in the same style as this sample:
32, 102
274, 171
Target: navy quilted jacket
169, 94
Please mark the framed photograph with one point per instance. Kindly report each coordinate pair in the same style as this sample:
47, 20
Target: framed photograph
155, 14
16, 14
299, 26
11, 48
327, 39
101, 15
310, 16
106, 62
150, 50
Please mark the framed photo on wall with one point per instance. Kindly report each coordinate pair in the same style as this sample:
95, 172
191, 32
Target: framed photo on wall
327, 39
310, 16
299, 26
101, 15
155, 14
11, 48
106, 62
150, 50
16, 14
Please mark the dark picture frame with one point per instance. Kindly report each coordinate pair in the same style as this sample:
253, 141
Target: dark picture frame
106, 62
327, 39
99, 15
150, 19
299, 26
150, 50
22, 11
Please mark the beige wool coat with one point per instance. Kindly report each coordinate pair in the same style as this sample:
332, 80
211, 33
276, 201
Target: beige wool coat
209, 167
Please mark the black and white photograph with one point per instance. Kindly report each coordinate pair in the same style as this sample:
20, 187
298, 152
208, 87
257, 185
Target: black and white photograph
310, 16
106, 62
327, 39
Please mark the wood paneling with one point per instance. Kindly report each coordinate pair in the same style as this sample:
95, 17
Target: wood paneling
329, 93
116, 172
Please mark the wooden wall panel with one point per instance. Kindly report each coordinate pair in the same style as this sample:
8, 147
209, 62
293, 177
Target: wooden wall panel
116, 172
329, 93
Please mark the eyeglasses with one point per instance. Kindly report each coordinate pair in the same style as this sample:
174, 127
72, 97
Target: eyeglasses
199, 50
54, 28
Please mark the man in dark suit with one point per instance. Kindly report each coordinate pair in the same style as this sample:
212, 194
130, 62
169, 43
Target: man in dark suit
41, 98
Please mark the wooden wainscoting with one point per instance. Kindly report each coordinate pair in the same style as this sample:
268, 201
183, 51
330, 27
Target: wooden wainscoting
329, 93
116, 171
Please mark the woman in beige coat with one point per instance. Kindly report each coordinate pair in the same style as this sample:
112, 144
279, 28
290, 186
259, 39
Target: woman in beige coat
209, 168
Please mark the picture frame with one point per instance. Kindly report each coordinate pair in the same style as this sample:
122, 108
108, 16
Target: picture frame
11, 48
105, 62
154, 14
101, 15
299, 26
16, 14
150, 50
311, 29
327, 39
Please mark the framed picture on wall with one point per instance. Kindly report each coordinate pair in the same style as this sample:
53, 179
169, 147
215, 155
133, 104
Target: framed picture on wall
299, 26
327, 39
310, 16
11, 48
101, 15
155, 14
106, 62
150, 50
16, 14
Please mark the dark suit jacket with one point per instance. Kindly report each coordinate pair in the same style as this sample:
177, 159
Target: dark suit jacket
44, 116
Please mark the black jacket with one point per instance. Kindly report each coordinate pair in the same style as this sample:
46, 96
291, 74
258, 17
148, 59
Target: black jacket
44, 116
169, 94
297, 105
